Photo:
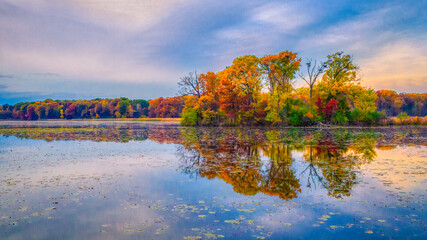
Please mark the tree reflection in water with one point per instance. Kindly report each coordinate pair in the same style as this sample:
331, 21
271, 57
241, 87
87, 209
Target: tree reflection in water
255, 160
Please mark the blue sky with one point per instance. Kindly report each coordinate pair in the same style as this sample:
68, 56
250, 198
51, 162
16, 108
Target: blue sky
78, 49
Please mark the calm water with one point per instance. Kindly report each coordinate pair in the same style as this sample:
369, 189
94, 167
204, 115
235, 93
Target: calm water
129, 180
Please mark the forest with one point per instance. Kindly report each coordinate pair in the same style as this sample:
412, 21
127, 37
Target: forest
251, 91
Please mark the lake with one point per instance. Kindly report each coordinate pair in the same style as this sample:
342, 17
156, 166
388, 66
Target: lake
135, 180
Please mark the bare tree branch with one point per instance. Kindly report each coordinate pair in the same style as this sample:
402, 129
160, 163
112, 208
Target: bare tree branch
190, 85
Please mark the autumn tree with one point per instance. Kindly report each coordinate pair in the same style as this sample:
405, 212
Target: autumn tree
279, 71
240, 88
208, 103
341, 74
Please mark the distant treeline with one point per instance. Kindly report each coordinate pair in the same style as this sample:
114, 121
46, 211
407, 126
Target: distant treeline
388, 102
76, 109
393, 104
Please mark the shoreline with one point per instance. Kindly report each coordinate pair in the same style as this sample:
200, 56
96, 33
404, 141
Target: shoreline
176, 122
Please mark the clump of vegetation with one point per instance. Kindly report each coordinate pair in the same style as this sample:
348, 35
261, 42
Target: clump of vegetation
189, 117
261, 91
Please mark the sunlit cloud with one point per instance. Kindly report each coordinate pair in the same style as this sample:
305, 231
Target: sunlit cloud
399, 65
133, 15
285, 17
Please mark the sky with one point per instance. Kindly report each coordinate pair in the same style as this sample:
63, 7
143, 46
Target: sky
85, 49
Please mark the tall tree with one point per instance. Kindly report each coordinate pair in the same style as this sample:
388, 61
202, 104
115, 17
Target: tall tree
240, 88
280, 70
340, 73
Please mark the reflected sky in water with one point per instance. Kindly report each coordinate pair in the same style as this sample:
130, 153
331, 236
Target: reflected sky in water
155, 181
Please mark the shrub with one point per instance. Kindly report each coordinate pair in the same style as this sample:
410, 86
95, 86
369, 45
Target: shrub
189, 117
340, 118
402, 115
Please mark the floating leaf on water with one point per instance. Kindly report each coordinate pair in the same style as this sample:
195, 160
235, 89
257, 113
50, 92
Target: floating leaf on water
210, 235
128, 230
201, 201
250, 222
246, 210
381, 220
232, 221
287, 224
369, 232
202, 216
366, 218
106, 225
192, 237
128, 226
36, 214
195, 229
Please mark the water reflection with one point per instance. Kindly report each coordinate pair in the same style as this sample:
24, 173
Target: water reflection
263, 162
255, 160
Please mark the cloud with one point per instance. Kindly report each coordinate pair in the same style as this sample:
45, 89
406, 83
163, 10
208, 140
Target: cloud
351, 34
285, 17
400, 65
5, 76
389, 57
53, 39
84, 64
132, 15
263, 28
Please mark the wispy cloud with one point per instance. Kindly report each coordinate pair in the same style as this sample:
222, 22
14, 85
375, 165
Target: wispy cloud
85, 64
74, 49
265, 28
286, 17
398, 65
5, 76
389, 57
352, 34
135, 15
